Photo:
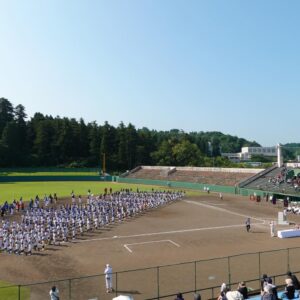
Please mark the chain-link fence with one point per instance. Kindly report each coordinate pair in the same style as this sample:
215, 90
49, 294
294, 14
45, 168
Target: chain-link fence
166, 281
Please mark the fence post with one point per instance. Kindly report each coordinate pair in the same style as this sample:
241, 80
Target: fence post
157, 278
116, 284
259, 267
195, 265
70, 289
288, 259
19, 292
229, 275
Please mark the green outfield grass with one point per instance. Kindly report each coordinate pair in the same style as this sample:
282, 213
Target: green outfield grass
54, 173
14, 190
9, 292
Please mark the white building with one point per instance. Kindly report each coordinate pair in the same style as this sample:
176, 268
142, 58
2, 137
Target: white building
247, 153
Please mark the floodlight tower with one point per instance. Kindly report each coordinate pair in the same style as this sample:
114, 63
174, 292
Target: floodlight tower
279, 155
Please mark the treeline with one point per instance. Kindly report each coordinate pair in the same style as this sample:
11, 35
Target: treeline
54, 141
291, 151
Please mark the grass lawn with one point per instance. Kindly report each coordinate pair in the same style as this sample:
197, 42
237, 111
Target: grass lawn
14, 190
11, 292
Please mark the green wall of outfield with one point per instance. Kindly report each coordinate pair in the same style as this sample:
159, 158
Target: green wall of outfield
53, 178
248, 192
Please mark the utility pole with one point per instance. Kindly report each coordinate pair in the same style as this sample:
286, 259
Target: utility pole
279, 156
103, 164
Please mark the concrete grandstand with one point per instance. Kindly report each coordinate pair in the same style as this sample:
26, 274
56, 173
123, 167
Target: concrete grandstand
281, 181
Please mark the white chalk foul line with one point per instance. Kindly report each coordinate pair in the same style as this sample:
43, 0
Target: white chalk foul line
150, 242
223, 210
166, 232
214, 204
128, 248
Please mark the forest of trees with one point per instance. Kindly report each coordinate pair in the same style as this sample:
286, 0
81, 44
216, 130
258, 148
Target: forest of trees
45, 140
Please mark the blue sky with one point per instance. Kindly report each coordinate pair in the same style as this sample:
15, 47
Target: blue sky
229, 66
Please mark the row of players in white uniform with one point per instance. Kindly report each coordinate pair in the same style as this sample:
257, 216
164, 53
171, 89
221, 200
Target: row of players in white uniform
295, 209
42, 226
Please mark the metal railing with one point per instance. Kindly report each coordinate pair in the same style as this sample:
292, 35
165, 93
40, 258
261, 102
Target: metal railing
204, 276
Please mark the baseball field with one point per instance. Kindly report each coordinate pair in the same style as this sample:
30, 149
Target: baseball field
196, 228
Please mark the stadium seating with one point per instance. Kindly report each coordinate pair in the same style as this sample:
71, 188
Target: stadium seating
148, 174
276, 181
216, 176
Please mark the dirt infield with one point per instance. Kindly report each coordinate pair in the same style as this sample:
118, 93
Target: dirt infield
194, 228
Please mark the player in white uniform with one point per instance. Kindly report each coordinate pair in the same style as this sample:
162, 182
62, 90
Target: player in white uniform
108, 278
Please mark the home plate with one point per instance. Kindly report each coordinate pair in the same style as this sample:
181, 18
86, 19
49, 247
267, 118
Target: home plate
115, 236
211, 278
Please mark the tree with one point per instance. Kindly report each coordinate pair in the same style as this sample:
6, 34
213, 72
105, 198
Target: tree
186, 154
108, 146
4, 161
122, 147
94, 144
131, 143
44, 140
6, 113
164, 155
146, 144
202, 144
83, 139
20, 115
43, 143
21, 135
215, 145
65, 141
11, 142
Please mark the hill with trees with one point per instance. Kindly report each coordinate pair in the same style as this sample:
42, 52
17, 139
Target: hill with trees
46, 141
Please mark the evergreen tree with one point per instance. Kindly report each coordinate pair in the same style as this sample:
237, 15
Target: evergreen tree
21, 134
6, 113
11, 143
122, 147
43, 144
47, 141
94, 144
131, 139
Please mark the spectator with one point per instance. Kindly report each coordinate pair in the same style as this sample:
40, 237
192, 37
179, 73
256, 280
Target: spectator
273, 288
223, 290
234, 295
294, 279
266, 293
289, 290
263, 281
179, 297
222, 296
243, 289
197, 296
54, 293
